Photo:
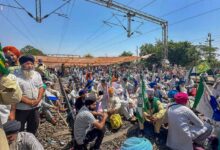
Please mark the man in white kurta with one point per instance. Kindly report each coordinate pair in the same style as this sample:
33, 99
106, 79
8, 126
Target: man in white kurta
184, 126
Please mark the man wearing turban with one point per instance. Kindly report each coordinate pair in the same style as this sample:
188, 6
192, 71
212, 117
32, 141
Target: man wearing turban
114, 102
32, 88
185, 128
10, 93
154, 112
20, 140
12, 54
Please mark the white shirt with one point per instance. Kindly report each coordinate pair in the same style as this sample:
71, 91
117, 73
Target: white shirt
30, 88
4, 113
184, 126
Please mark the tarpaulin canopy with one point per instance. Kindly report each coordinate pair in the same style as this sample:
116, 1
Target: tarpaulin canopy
52, 61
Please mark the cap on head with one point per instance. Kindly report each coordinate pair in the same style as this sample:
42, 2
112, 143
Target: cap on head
11, 127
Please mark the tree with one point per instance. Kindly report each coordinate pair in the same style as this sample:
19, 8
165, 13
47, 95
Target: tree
32, 51
126, 53
88, 56
156, 51
209, 53
181, 53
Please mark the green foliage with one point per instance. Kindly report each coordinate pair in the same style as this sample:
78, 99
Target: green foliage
126, 53
88, 56
32, 51
182, 53
156, 51
209, 54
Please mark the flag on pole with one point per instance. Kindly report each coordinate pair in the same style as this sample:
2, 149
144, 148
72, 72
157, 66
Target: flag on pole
206, 103
142, 100
188, 74
202, 67
50, 96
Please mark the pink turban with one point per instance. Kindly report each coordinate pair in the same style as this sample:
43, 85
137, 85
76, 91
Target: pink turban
181, 98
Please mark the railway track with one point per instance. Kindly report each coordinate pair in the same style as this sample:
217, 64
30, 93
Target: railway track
59, 137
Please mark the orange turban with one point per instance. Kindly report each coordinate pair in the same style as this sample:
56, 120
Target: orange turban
12, 49
111, 90
114, 79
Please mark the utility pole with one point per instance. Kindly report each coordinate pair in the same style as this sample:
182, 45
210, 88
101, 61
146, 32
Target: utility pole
137, 51
209, 40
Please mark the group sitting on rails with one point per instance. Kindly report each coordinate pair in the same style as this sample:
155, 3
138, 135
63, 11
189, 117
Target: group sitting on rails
167, 98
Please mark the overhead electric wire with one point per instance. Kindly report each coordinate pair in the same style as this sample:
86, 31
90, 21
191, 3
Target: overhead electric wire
47, 15
195, 16
91, 36
16, 28
24, 9
65, 26
26, 28
99, 35
172, 24
181, 8
63, 29
129, 2
10, 6
173, 11
148, 4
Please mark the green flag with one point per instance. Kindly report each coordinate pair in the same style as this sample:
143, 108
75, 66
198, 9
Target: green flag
202, 67
199, 93
3, 69
142, 100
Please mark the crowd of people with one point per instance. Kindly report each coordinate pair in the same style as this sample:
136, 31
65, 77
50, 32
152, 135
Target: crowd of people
98, 96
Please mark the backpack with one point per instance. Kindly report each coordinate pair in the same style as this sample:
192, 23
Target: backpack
115, 121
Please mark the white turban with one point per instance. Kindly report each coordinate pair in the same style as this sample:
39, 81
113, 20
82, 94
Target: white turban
150, 91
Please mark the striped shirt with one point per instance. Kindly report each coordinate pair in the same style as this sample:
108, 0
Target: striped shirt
83, 123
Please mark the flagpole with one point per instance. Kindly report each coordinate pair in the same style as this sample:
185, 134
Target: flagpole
209, 91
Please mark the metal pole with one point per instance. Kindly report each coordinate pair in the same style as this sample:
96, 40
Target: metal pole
38, 10
129, 25
165, 39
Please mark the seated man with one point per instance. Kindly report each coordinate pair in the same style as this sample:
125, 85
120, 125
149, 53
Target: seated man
184, 126
87, 128
127, 106
20, 140
181, 86
160, 93
80, 101
114, 102
154, 112
58, 102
